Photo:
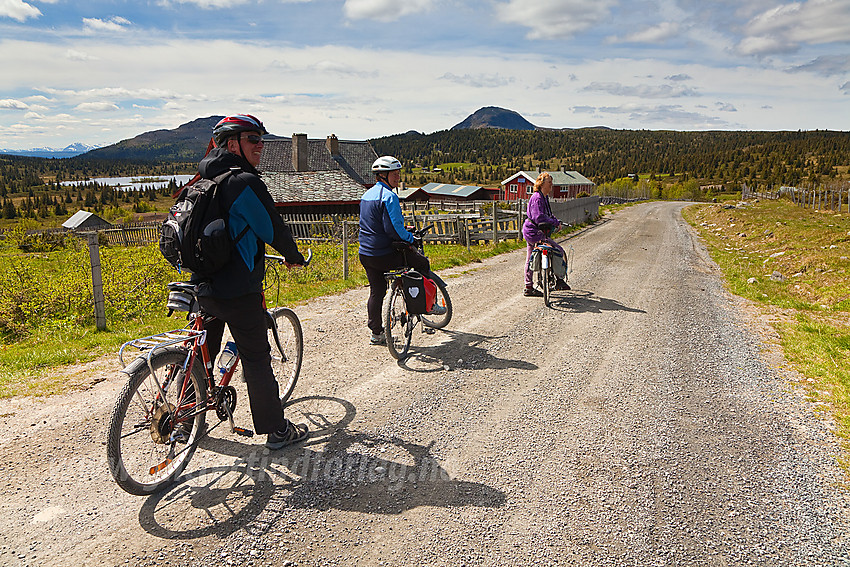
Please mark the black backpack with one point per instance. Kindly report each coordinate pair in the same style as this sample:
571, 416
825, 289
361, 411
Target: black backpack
194, 236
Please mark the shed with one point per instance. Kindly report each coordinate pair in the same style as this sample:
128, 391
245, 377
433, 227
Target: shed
84, 220
445, 191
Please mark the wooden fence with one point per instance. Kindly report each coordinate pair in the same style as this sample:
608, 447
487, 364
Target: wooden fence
821, 198
482, 222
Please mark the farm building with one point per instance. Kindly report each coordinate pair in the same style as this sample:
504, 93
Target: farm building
412, 194
84, 220
567, 185
446, 192
317, 176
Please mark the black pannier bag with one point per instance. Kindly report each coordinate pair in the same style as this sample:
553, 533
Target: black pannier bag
414, 292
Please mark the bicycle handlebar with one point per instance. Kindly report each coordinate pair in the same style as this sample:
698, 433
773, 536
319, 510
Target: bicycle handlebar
282, 260
421, 232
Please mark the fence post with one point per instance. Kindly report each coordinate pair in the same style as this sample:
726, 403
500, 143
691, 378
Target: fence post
344, 249
97, 281
495, 225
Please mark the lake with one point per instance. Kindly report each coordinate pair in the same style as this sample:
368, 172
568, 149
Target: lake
133, 183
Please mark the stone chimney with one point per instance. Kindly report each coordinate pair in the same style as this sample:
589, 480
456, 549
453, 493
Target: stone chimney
299, 152
332, 143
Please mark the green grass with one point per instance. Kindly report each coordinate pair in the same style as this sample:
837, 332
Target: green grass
793, 264
30, 362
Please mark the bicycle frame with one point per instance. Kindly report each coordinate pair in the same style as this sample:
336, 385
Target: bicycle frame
194, 338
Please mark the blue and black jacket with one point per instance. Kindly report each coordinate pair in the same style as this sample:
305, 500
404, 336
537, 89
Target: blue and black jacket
381, 221
248, 207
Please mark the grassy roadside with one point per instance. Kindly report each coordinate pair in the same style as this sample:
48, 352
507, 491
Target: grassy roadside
37, 364
792, 263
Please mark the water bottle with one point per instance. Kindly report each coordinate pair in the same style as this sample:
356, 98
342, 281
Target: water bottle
227, 357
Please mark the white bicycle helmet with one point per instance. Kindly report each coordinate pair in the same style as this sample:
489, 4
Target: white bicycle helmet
386, 163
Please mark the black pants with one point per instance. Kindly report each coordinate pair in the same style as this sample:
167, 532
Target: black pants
246, 319
375, 267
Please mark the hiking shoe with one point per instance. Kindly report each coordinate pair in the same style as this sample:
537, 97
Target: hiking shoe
290, 434
380, 339
532, 292
562, 285
437, 310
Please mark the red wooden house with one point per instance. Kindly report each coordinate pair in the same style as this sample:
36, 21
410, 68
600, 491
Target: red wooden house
567, 185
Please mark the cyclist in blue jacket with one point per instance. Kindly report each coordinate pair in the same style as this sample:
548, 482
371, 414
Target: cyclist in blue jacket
381, 223
233, 295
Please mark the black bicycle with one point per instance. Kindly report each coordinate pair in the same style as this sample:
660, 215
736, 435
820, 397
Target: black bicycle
399, 321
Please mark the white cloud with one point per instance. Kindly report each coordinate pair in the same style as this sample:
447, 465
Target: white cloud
116, 23
18, 10
668, 114
554, 19
102, 106
656, 34
784, 28
478, 81
678, 77
641, 91
205, 4
75, 55
826, 65
845, 88
725, 107
384, 10
12, 104
763, 45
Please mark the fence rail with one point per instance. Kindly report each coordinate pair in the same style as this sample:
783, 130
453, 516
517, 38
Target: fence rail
820, 198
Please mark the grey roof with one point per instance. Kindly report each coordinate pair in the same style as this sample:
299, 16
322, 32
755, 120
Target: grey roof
355, 158
313, 186
406, 193
558, 177
450, 190
569, 178
84, 219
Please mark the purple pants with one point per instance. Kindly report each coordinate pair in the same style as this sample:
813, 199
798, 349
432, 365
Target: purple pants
529, 274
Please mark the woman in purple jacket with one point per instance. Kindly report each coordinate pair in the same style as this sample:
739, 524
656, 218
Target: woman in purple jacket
540, 213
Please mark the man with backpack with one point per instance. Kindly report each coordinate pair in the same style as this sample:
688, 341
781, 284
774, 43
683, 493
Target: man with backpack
233, 293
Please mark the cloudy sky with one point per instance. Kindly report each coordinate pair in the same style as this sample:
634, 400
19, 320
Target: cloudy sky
101, 71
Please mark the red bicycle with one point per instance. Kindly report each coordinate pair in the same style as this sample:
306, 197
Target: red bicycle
160, 414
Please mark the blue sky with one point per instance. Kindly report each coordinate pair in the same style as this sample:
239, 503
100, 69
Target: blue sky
99, 71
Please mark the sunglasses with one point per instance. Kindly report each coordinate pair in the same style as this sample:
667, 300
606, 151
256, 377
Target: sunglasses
253, 139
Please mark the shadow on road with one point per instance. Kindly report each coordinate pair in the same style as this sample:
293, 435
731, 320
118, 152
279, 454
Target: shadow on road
578, 301
467, 346
335, 469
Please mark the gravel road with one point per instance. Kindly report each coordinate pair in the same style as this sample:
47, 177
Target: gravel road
644, 419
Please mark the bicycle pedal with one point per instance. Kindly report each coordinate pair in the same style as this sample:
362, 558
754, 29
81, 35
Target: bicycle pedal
243, 432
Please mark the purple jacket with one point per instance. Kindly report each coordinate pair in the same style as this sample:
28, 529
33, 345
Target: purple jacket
538, 212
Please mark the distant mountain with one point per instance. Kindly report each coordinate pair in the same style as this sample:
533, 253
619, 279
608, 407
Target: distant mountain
495, 117
66, 152
186, 143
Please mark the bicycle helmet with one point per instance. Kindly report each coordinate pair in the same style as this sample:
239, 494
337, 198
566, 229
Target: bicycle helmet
233, 125
386, 163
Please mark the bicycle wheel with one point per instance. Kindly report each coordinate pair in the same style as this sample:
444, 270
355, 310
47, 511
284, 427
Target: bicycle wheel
398, 324
443, 299
546, 283
150, 439
287, 349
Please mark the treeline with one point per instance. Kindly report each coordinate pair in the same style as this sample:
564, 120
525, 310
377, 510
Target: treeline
19, 174
60, 201
754, 158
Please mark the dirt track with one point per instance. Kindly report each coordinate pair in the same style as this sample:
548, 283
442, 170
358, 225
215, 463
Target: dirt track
637, 422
